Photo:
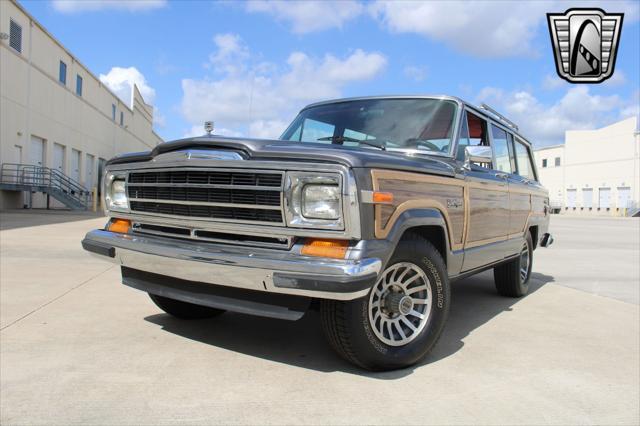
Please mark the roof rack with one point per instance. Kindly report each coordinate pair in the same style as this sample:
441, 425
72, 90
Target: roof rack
499, 116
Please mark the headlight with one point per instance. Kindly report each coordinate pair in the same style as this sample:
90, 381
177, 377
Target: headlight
314, 200
115, 192
321, 202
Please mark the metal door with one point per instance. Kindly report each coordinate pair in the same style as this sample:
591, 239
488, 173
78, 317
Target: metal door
587, 198
624, 194
58, 157
74, 172
571, 198
89, 179
36, 151
604, 198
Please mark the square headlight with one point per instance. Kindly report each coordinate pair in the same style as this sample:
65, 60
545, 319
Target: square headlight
321, 201
116, 192
314, 200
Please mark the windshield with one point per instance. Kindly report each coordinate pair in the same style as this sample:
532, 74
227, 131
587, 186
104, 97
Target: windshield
392, 124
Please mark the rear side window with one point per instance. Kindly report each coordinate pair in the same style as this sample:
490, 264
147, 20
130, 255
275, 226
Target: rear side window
523, 157
501, 149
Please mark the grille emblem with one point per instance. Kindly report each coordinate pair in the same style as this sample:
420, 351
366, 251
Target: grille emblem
585, 43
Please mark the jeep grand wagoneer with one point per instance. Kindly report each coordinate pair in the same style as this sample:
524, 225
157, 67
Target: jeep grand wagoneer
366, 208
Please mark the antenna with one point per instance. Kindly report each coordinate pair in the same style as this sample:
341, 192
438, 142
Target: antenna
500, 116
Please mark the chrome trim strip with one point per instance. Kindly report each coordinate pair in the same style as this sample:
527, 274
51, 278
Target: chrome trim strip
139, 215
231, 266
206, 203
211, 186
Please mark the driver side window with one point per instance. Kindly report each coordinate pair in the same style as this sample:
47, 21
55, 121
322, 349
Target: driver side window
473, 133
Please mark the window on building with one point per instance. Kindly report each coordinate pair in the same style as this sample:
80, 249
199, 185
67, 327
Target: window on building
557, 163
544, 162
121, 118
113, 112
15, 36
63, 73
78, 85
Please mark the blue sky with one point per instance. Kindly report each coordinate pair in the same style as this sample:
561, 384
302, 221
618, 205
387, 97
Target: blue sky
251, 66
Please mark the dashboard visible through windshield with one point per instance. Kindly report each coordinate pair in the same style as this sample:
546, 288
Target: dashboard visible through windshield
389, 124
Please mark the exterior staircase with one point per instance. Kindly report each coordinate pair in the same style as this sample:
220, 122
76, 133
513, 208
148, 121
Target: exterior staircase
30, 178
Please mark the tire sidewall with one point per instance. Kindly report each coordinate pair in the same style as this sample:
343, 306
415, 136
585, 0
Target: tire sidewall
372, 351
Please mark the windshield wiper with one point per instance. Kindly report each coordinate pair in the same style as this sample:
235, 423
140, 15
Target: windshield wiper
340, 139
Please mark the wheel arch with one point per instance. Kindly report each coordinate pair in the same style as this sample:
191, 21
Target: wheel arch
428, 223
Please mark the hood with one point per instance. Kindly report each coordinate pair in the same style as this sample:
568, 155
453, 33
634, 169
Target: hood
278, 150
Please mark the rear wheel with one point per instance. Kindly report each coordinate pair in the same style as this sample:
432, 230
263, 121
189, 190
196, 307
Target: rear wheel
184, 310
401, 319
512, 278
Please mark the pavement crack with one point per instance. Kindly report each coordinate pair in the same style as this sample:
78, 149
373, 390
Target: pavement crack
56, 298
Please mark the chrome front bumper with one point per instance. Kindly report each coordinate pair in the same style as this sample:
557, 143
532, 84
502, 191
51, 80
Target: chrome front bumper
266, 270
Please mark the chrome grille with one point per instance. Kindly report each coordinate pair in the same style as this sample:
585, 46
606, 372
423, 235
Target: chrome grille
225, 195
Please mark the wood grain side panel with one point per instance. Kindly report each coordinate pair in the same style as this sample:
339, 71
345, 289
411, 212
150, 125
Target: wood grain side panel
520, 205
414, 191
488, 214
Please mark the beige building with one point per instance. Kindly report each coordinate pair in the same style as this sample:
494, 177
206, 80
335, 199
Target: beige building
595, 171
55, 113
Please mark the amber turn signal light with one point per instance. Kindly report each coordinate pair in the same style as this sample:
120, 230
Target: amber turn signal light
336, 249
382, 197
121, 226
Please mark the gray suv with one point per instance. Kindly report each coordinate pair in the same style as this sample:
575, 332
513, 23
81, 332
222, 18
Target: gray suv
365, 209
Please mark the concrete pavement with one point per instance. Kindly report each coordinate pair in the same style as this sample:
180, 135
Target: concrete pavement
76, 347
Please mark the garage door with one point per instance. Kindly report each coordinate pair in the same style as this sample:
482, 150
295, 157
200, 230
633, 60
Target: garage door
571, 198
587, 198
58, 157
604, 198
624, 194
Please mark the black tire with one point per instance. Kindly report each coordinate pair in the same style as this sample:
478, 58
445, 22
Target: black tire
349, 330
509, 280
184, 310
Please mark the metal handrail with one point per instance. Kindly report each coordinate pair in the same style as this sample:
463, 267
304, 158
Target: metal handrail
39, 176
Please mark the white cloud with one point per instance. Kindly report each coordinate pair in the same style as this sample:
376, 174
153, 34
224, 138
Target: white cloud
75, 6
309, 16
262, 99
545, 124
481, 28
230, 54
198, 130
415, 73
121, 81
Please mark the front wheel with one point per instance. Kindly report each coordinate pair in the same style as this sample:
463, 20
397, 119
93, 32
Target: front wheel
184, 310
401, 319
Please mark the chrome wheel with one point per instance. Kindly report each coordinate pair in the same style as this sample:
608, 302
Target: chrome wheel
400, 304
524, 263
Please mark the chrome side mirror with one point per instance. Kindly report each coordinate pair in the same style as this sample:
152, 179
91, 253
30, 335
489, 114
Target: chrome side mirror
477, 154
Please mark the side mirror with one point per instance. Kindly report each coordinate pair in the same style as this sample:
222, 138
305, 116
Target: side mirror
477, 154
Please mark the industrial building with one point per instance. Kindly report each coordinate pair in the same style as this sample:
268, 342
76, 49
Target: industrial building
595, 172
58, 123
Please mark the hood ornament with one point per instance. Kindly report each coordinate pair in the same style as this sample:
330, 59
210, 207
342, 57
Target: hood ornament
208, 127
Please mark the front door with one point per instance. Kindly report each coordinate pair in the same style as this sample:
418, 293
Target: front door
488, 217
74, 171
58, 157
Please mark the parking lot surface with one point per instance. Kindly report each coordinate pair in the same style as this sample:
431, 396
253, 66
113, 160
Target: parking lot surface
77, 347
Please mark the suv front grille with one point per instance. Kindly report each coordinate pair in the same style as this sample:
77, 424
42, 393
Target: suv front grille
215, 194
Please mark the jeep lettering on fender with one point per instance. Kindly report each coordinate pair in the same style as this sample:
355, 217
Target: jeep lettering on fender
369, 206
